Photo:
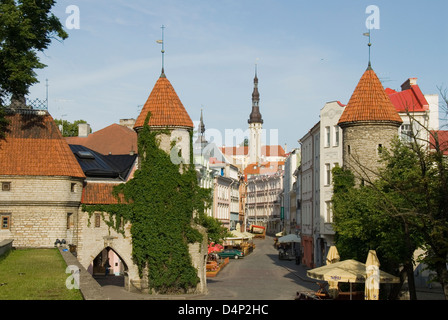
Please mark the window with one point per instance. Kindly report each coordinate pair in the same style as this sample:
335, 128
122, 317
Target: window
97, 220
69, 220
6, 186
5, 222
73, 187
329, 216
327, 136
406, 132
348, 149
327, 174
380, 148
336, 136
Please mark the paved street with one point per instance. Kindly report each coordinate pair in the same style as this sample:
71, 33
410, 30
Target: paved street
258, 276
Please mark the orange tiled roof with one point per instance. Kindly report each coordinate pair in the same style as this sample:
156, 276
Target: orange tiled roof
165, 107
369, 102
114, 139
34, 146
99, 193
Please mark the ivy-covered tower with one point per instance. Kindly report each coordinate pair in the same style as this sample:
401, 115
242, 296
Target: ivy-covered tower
369, 123
165, 155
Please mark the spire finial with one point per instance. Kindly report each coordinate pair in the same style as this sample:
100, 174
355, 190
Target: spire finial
162, 42
369, 44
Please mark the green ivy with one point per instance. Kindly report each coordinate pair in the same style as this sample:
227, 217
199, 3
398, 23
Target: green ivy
160, 203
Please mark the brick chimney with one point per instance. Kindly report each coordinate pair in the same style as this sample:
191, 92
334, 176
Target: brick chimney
408, 83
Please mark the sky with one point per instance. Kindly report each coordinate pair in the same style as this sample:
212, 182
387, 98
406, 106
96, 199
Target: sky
307, 53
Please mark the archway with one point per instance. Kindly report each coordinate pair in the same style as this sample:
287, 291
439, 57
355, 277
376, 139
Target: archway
108, 268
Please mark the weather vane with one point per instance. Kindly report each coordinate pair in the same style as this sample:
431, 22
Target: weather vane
367, 34
163, 48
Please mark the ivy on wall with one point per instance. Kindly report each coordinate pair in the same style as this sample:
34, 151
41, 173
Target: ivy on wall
160, 202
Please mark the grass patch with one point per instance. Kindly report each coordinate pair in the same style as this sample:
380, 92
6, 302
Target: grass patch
35, 274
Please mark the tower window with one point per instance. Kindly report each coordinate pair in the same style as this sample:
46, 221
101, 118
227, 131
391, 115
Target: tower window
380, 148
348, 149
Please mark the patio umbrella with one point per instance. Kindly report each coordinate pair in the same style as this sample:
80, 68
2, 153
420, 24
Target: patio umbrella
372, 276
350, 271
332, 257
289, 238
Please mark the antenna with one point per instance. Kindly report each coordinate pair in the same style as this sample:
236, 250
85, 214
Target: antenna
46, 85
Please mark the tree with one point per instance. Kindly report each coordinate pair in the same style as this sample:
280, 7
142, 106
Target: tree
69, 129
410, 203
26, 28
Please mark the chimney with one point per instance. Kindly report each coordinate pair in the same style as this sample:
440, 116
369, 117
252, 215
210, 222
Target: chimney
83, 130
127, 123
408, 83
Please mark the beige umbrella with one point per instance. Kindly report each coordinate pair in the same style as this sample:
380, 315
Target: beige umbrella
372, 288
350, 271
332, 257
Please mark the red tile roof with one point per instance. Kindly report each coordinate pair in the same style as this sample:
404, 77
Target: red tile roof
369, 102
265, 168
99, 193
165, 107
34, 146
411, 99
442, 136
114, 139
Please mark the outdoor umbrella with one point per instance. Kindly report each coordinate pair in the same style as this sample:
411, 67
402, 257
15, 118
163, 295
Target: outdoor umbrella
289, 238
332, 257
372, 288
350, 271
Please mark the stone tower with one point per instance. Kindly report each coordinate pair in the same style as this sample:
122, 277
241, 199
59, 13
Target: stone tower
369, 123
255, 125
165, 113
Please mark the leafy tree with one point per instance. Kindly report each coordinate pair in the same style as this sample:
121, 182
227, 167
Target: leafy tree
26, 28
404, 208
69, 129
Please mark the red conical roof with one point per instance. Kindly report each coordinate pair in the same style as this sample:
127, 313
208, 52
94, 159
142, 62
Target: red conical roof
369, 102
165, 107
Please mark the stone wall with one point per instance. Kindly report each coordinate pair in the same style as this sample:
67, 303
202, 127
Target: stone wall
362, 146
41, 209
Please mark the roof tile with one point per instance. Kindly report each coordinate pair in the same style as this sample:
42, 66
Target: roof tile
369, 102
165, 107
34, 146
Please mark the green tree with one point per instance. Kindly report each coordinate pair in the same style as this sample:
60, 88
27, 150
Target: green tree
69, 129
26, 28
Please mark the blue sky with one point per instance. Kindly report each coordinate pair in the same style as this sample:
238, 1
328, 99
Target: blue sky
307, 52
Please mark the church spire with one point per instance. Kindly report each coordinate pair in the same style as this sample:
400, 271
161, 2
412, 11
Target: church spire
255, 115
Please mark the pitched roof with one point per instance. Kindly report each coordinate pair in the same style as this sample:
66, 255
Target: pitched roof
34, 146
369, 102
96, 165
114, 139
442, 136
99, 193
165, 107
410, 98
